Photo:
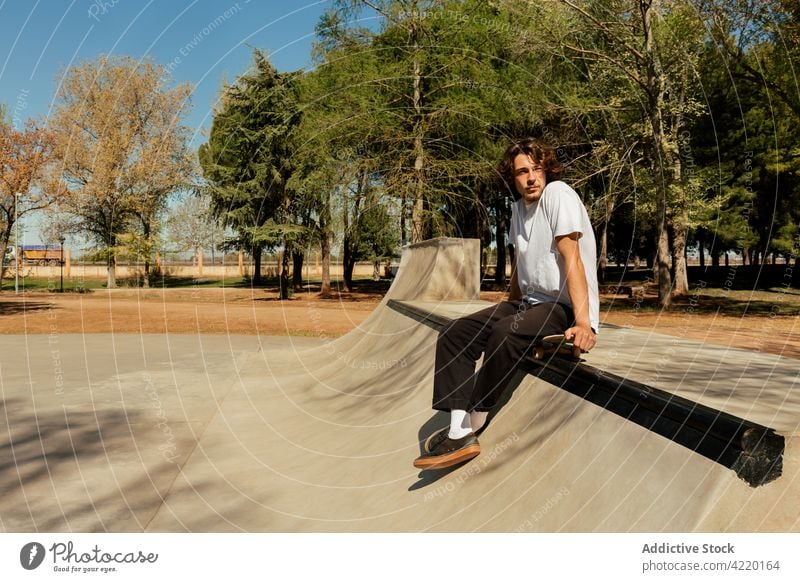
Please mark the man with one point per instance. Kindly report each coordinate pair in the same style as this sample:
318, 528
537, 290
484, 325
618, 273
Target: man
553, 291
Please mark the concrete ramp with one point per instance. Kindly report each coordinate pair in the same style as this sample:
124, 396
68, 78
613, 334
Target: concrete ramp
130, 432
322, 438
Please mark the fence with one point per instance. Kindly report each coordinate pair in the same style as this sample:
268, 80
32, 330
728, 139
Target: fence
84, 271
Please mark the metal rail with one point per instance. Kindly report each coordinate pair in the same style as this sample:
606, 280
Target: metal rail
754, 452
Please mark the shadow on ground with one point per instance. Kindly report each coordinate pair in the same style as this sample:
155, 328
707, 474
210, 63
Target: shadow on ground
82, 471
17, 307
707, 304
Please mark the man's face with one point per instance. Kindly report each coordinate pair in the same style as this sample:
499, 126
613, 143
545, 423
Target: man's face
529, 178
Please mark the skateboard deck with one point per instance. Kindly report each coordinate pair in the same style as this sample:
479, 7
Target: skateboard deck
555, 345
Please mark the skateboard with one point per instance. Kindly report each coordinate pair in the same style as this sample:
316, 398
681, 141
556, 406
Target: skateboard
555, 345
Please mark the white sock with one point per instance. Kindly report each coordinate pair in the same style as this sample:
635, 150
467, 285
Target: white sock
477, 419
459, 424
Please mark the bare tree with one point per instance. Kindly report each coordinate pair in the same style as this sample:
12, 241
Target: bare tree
25, 183
122, 148
191, 225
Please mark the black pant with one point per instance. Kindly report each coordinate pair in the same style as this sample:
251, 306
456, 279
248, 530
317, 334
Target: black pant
505, 334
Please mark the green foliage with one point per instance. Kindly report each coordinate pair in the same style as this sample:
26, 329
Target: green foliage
135, 247
746, 151
375, 236
248, 158
424, 106
273, 234
400, 125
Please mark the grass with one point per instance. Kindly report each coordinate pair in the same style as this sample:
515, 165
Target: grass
53, 285
268, 283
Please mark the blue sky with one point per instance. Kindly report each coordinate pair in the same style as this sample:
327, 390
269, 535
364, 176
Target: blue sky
201, 41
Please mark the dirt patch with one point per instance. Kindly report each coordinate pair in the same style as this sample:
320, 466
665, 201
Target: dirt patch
257, 311
216, 310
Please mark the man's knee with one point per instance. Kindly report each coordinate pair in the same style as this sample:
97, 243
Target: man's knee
454, 329
448, 335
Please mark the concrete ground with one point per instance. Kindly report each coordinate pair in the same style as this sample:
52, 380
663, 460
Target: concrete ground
130, 433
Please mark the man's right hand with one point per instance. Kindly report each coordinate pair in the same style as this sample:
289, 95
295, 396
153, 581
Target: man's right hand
581, 337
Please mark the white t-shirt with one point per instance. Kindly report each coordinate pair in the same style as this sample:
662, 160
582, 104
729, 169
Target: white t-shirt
558, 212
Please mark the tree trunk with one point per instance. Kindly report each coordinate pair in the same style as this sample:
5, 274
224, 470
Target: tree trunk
146, 232
297, 270
6, 240
403, 230
376, 270
111, 268
348, 264
418, 211
284, 277
701, 248
715, 253
349, 242
662, 264
347, 248
325, 246
3, 249
500, 242
603, 256
679, 255
663, 156
256, 265
325, 249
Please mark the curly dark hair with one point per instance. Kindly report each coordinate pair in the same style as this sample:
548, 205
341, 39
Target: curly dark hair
541, 153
